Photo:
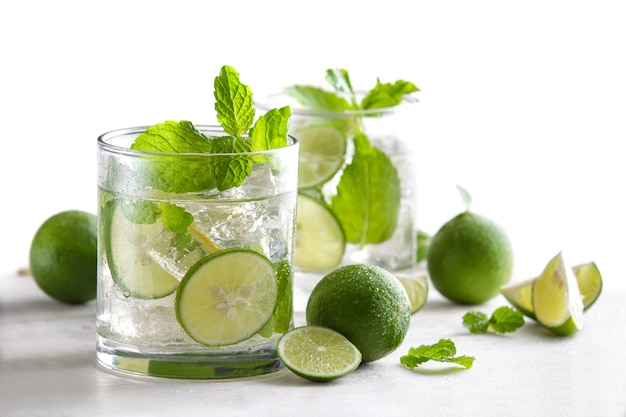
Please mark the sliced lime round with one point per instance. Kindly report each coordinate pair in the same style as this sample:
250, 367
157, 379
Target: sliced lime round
318, 353
321, 155
227, 297
320, 240
417, 290
556, 298
132, 252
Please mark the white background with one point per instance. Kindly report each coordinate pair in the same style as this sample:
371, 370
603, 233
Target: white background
522, 102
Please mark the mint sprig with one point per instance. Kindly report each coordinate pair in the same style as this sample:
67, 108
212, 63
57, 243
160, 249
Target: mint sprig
503, 320
442, 351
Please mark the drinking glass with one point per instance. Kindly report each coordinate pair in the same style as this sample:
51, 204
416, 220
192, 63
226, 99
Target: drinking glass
390, 130
194, 278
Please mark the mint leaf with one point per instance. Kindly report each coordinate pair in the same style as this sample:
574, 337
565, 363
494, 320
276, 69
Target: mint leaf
371, 180
466, 196
476, 322
232, 169
503, 320
175, 218
270, 130
317, 98
173, 137
233, 102
442, 351
388, 94
340, 80
140, 211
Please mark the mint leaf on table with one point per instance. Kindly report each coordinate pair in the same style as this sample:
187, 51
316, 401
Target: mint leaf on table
503, 320
442, 351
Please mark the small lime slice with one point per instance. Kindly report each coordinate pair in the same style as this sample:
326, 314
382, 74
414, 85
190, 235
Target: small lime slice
321, 155
318, 353
227, 297
130, 249
320, 241
417, 290
556, 298
589, 281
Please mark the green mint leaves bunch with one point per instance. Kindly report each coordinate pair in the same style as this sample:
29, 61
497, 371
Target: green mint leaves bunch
236, 114
503, 320
368, 195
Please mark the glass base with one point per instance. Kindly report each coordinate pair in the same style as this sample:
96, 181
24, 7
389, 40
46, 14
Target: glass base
191, 365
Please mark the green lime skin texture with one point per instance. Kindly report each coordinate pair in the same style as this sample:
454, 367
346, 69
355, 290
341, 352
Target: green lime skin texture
64, 257
365, 303
469, 259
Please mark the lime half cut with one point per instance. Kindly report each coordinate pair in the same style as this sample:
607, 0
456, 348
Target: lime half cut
318, 353
130, 249
556, 298
320, 240
321, 155
227, 297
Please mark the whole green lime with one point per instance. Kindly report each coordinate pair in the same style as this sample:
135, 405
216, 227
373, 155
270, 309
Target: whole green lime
469, 259
365, 303
63, 256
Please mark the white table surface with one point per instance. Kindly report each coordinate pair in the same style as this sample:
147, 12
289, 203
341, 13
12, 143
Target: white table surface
48, 368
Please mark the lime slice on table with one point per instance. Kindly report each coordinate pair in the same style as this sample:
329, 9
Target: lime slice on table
318, 353
131, 249
589, 283
417, 290
227, 297
557, 302
320, 240
321, 155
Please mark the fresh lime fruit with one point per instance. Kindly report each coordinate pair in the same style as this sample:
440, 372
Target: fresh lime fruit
417, 290
321, 155
227, 297
469, 259
589, 282
131, 249
366, 304
64, 256
589, 279
320, 241
557, 302
318, 353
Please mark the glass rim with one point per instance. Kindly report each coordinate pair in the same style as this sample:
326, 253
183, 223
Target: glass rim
103, 144
263, 103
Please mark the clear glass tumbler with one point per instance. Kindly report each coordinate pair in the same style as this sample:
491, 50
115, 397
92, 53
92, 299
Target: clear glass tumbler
378, 215
193, 281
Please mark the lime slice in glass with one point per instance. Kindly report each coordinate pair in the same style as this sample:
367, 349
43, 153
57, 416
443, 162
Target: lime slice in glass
556, 298
227, 297
321, 155
589, 281
320, 241
318, 353
131, 250
417, 290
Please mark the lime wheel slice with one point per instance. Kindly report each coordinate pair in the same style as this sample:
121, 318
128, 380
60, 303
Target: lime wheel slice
321, 155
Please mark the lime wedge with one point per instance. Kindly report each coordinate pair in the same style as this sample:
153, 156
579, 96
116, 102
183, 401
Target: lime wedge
227, 297
131, 249
318, 353
321, 155
417, 290
320, 241
556, 298
589, 281
520, 296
